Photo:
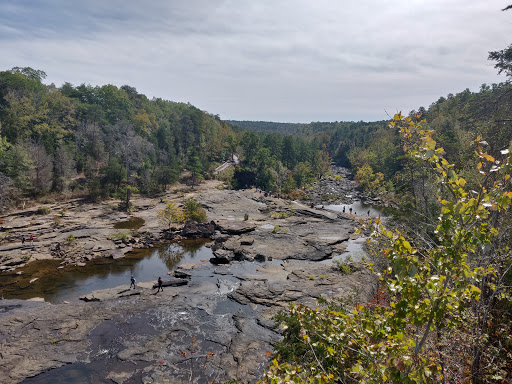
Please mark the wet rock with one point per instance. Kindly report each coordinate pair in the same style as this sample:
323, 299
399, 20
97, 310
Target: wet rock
222, 271
181, 274
222, 256
190, 266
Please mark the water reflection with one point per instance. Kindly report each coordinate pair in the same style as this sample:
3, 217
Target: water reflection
132, 223
56, 285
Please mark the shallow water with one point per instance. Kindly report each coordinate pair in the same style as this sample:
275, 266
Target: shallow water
355, 248
358, 208
132, 223
68, 284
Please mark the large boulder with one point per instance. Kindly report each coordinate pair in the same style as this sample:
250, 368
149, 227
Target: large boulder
194, 230
222, 256
232, 227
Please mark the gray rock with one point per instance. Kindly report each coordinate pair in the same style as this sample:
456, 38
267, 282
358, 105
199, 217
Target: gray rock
181, 274
222, 256
245, 240
175, 282
234, 227
194, 230
222, 271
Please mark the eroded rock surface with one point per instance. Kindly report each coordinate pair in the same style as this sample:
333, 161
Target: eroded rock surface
217, 327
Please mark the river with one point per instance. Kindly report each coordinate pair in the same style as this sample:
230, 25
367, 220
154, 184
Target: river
44, 278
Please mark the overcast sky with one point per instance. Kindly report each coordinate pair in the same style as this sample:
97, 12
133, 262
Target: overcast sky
272, 60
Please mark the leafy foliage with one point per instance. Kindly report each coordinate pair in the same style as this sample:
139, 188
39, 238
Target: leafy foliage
432, 293
171, 214
194, 211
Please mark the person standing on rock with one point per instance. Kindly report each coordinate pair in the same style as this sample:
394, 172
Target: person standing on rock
132, 282
160, 285
32, 241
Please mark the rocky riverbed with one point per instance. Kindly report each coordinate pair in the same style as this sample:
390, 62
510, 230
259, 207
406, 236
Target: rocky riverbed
216, 327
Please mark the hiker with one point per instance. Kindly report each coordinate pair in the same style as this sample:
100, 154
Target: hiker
132, 282
343, 209
368, 212
32, 241
22, 240
160, 287
350, 209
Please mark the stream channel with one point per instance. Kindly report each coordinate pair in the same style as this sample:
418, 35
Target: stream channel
45, 279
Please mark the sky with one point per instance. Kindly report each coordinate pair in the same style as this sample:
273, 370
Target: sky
265, 60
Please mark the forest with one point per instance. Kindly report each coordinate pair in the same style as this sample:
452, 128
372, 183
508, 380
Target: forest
104, 141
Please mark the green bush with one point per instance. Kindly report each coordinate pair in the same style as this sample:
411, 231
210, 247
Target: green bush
344, 266
71, 240
123, 236
194, 211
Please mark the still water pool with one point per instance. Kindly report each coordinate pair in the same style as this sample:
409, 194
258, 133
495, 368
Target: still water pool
56, 284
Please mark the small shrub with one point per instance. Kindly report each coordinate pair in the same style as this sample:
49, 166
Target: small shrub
71, 240
44, 210
62, 212
276, 229
280, 214
345, 266
337, 178
123, 236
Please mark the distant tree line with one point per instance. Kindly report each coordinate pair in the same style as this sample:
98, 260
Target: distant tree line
98, 141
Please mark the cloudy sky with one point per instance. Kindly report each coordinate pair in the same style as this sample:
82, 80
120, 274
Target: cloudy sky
272, 60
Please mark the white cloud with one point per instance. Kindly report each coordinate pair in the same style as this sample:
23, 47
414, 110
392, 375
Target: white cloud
267, 60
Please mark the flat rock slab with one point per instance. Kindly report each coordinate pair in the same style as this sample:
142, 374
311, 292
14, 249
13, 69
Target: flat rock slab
174, 282
303, 282
234, 227
111, 293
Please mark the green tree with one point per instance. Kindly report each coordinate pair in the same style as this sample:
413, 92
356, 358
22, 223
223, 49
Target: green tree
289, 152
196, 168
303, 174
250, 144
171, 214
